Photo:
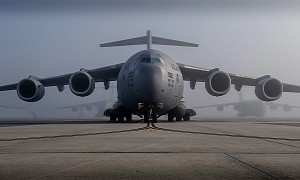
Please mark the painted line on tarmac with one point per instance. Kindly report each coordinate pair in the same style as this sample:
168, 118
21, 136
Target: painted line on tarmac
69, 135
251, 166
150, 127
228, 135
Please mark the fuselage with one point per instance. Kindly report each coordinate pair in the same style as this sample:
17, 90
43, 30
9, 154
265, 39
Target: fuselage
150, 77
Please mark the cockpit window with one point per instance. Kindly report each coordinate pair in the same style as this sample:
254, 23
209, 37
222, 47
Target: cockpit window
156, 60
146, 60
150, 60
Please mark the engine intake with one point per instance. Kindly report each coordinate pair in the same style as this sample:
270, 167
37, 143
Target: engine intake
81, 84
30, 90
269, 89
218, 83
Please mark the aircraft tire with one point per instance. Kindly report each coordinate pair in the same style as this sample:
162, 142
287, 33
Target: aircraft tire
129, 117
112, 118
178, 118
121, 118
186, 118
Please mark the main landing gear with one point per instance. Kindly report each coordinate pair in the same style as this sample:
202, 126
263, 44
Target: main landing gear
120, 118
118, 114
181, 116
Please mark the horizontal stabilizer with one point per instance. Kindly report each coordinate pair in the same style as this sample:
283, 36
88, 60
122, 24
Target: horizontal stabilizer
148, 40
170, 42
126, 42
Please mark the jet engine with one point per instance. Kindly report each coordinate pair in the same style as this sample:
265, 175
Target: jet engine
269, 89
81, 83
218, 83
30, 90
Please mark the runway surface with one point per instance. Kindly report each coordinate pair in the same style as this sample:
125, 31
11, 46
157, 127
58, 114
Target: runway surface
198, 149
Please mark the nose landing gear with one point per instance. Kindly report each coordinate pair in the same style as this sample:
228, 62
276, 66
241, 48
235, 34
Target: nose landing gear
150, 110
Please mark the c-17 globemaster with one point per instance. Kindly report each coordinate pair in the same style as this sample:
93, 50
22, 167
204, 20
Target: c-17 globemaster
150, 83
252, 107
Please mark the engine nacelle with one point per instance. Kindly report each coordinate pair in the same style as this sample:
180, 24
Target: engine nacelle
269, 89
218, 83
30, 90
81, 83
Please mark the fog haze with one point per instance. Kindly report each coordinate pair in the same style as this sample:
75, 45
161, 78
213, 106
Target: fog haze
48, 38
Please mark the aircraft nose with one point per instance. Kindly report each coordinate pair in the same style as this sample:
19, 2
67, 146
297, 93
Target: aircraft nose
150, 82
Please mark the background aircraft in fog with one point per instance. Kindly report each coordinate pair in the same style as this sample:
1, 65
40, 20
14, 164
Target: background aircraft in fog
11, 107
6, 107
150, 83
253, 107
100, 106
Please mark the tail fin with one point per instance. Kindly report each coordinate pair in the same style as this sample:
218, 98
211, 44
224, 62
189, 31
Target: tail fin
149, 40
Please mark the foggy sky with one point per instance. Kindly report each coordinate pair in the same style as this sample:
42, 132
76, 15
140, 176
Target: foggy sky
47, 38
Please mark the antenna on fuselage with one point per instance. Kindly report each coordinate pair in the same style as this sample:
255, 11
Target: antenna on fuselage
149, 40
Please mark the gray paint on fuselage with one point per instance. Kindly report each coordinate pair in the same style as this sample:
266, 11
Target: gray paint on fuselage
150, 76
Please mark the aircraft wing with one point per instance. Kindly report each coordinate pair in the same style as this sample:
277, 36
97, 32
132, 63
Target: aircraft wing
85, 105
108, 73
224, 104
216, 105
274, 106
197, 74
12, 107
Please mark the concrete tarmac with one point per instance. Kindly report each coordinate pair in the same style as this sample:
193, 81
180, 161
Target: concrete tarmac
198, 149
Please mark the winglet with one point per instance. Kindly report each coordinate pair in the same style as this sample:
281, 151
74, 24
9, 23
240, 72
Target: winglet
149, 40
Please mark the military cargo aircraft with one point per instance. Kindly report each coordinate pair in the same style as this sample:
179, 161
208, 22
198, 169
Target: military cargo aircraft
11, 107
100, 106
150, 83
252, 107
